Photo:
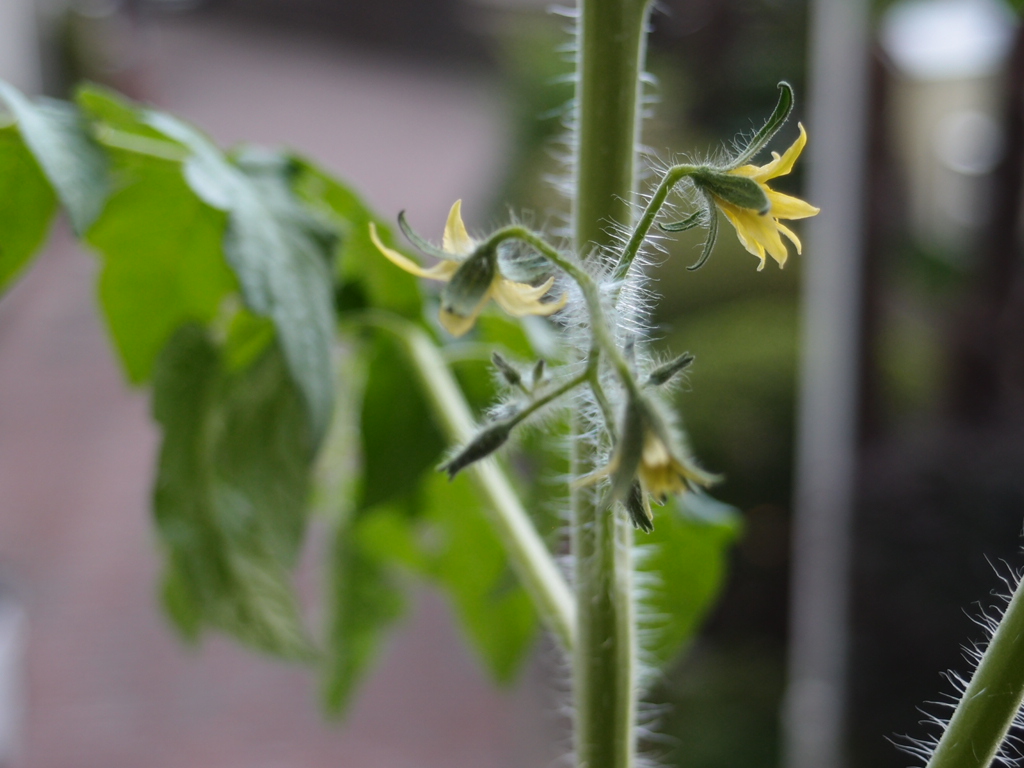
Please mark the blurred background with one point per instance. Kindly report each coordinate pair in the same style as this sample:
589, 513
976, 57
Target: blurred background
420, 102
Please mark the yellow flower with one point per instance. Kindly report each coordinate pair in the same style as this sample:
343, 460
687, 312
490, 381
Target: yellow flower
473, 279
661, 473
646, 452
759, 232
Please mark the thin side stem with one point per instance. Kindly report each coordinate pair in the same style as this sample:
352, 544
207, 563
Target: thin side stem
529, 556
603, 338
992, 700
549, 398
611, 53
673, 176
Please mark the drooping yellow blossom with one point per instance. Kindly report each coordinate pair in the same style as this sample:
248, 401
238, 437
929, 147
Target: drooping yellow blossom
477, 275
661, 473
759, 232
648, 452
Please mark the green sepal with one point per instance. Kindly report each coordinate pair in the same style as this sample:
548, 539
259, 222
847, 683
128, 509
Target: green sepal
639, 508
418, 240
710, 240
689, 222
739, 191
629, 449
778, 118
470, 284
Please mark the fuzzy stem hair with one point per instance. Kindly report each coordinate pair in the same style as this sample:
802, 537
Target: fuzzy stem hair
992, 698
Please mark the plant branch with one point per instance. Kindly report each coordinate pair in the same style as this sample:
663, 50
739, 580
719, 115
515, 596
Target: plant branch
527, 552
991, 700
609, 67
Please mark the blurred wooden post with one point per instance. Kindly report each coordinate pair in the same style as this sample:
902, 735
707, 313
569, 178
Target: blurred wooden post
827, 410
19, 44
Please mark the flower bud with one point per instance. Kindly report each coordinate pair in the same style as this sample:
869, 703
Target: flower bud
480, 447
539, 369
508, 371
665, 373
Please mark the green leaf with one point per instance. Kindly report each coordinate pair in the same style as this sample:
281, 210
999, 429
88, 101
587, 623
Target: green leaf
467, 559
27, 205
74, 164
230, 493
447, 538
368, 279
160, 247
279, 252
110, 112
681, 565
264, 452
364, 604
399, 438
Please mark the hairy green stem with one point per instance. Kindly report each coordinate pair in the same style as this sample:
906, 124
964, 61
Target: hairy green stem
530, 558
673, 176
603, 337
609, 66
992, 699
549, 398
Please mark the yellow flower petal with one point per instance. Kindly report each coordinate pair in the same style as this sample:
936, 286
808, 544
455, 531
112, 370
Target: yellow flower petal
753, 235
443, 270
456, 239
792, 237
520, 299
780, 166
789, 207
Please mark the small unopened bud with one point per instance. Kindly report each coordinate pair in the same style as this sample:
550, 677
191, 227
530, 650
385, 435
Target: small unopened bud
480, 447
736, 190
629, 449
508, 371
538, 372
629, 351
639, 508
665, 373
